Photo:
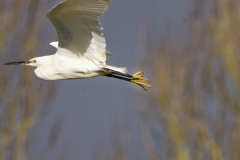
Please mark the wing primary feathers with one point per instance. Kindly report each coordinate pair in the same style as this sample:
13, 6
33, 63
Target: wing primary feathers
79, 29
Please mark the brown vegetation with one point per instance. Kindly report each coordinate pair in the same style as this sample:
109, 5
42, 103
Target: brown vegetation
196, 99
22, 97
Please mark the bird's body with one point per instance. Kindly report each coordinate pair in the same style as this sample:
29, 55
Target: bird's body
81, 50
57, 67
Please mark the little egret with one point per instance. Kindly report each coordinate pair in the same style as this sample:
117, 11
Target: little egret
81, 50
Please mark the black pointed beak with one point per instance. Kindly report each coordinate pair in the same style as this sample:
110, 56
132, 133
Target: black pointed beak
17, 63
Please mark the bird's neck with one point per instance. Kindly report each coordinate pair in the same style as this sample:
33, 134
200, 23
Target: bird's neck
44, 61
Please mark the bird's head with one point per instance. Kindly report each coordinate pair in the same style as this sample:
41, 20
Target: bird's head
35, 62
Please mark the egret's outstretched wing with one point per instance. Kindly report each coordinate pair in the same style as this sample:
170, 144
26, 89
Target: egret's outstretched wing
78, 28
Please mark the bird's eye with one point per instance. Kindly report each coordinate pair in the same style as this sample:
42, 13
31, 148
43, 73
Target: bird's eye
34, 61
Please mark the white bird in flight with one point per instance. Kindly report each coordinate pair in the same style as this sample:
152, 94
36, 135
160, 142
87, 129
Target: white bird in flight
81, 50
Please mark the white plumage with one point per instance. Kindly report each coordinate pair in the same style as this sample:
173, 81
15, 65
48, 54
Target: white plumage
78, 28
81, 50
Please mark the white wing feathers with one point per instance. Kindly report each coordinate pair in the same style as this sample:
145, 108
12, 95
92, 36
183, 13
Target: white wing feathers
78, 28
55, 45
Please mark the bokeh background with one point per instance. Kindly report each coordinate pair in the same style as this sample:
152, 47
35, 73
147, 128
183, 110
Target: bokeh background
190, 51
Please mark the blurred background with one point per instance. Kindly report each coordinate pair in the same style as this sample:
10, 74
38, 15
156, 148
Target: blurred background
190, 51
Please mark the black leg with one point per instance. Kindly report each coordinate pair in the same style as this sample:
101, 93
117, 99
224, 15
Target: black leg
118, 75
136, 78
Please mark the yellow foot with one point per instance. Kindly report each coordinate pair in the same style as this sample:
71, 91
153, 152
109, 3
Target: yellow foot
140, 80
